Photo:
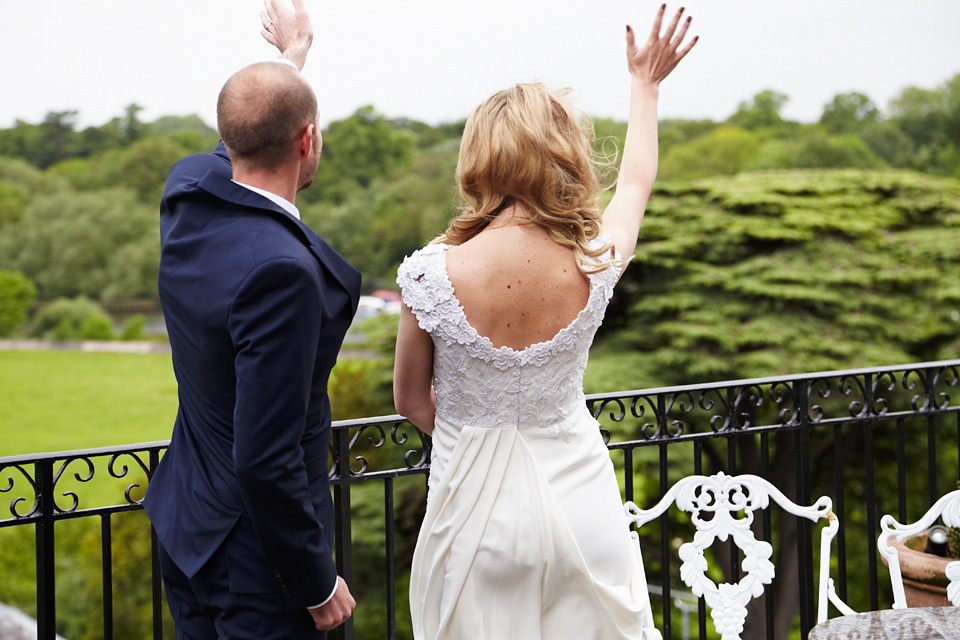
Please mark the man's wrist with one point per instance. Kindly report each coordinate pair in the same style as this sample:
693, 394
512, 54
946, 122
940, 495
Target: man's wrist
289, 62
329, 598
296, 56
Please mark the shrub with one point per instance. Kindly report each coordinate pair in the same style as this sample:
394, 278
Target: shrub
96, 327
66, 319
134, 328
17, 294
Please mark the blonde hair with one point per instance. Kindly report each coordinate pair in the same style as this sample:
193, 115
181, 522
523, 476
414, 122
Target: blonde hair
525, 146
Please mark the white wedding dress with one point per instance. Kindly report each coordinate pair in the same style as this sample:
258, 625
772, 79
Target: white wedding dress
525, 535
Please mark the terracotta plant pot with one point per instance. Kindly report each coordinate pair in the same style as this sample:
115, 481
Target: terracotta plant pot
924, 577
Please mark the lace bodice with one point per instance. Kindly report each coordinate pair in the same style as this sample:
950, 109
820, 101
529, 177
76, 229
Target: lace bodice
483, 386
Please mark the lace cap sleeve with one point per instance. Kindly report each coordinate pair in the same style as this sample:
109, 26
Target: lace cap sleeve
607, 278
420, 277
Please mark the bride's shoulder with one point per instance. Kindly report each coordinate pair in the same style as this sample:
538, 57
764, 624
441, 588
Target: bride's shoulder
428, 257
422, 266
422, 279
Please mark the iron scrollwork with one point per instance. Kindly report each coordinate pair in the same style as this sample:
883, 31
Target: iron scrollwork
35, 507
122, 473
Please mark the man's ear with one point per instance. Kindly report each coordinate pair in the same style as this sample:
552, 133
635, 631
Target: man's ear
306, 140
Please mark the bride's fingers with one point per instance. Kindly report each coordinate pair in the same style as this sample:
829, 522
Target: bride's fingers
687, 48
668, 36
680, 35
630, 39
657, 23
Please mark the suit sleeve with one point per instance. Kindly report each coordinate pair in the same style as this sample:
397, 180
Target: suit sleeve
275, 327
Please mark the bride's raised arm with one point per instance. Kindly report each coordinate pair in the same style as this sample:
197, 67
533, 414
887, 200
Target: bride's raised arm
648, 63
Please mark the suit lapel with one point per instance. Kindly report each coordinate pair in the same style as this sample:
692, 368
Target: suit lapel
225, 189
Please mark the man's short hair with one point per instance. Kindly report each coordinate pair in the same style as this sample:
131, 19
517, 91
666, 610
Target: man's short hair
261, 110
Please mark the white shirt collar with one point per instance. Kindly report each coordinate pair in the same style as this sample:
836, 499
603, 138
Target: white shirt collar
287, 206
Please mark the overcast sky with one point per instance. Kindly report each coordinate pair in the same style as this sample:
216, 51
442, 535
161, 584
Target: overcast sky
434, 60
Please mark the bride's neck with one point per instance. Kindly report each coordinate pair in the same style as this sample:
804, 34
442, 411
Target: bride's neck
512, 216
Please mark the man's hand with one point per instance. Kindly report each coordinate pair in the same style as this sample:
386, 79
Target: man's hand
335, 612
289, 31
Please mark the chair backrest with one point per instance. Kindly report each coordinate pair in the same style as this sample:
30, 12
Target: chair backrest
714, 503
948, 508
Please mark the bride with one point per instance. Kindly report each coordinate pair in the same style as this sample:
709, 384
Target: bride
525, 535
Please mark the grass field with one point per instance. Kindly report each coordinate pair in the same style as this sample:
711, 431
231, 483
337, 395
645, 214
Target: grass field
61, 400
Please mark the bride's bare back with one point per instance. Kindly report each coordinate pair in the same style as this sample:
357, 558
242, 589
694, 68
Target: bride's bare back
517, 286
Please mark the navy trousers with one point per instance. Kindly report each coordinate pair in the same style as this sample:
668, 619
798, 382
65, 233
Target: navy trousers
233, 597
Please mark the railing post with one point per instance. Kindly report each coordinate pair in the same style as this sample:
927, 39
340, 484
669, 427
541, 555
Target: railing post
341, 506
106, 569
156, 583
802, 390
46, 570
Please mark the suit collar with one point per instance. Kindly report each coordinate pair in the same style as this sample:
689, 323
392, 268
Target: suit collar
226, 189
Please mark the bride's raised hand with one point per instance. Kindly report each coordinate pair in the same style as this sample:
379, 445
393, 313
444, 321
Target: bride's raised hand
653, 60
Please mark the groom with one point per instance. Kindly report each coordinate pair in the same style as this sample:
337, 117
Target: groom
256, 306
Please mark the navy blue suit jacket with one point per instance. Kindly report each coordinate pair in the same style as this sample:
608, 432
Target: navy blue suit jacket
256, 307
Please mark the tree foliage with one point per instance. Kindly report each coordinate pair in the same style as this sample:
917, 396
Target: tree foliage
849, 113
763, 111
357, 151
17, 295
780, 272
72, 319
73, 243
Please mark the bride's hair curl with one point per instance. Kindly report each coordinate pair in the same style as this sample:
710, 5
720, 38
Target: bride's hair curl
526, 146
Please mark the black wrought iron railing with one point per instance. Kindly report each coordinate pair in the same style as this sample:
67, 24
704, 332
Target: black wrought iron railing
878, 440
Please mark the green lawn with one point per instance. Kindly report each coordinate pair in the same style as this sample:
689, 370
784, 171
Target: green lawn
61, 400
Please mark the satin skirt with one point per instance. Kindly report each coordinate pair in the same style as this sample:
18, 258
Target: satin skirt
525, 537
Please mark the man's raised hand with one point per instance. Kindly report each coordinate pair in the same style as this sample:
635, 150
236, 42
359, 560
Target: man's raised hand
657, 57
288, 30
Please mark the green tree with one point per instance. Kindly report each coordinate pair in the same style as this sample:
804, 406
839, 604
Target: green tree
20, 140
69, 243
131, 127
358, 150
674, 132
822, 151
779, 272
13, 202
889, 143
145, 164
170, 125
723, 151
98, 139
931, 119
42, 144
762, 111
58, 138
19, 172
848, 113
17, 294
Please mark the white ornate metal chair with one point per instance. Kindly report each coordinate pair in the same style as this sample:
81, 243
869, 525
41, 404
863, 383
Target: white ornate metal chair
723, 497
947, 507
